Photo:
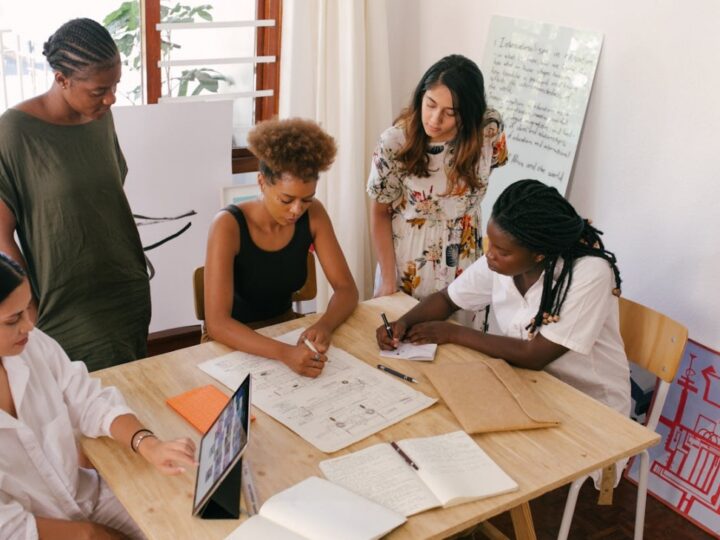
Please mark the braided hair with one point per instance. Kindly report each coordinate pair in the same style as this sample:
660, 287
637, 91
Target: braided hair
80, 44
543, 221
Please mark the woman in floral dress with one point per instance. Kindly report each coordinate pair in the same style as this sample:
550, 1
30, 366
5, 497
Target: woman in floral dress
428, 176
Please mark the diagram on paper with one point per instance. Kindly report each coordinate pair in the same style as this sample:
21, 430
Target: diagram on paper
348, 401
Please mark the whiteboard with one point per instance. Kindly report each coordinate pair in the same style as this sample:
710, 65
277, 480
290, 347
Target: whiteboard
539, 77
178, 157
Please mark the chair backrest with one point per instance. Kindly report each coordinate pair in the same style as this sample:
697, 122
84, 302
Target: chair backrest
199, 292
307, 292
652, 340
655, 342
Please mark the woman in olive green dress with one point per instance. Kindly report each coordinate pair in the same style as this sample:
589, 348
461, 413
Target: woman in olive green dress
61, 191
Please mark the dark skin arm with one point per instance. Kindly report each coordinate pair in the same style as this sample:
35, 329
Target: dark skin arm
425, 323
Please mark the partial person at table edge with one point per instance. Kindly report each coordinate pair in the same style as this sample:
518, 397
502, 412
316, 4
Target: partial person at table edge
257, 250
45, 399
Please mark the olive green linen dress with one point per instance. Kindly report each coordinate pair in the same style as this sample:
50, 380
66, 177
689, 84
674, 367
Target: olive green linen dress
64, 184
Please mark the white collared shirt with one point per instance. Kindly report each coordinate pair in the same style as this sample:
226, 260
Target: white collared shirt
39, 471
589, 324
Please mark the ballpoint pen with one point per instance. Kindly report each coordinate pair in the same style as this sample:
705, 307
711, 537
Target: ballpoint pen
396, 373
404, 455
309, 345
388, 328
251, 506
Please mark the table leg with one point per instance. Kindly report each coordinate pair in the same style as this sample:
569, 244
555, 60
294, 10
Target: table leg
522, 522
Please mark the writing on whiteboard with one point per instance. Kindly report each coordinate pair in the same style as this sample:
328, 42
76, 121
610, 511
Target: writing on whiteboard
539, 77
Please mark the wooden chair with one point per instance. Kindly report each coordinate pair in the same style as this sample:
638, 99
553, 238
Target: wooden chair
307, 292
656, 343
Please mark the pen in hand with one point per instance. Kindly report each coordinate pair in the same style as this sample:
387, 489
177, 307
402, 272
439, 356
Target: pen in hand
396, 373
387, 326
309, 345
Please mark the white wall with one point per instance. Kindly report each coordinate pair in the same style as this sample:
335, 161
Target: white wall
647, 169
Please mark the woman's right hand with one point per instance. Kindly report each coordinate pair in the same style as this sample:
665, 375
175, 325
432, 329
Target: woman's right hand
383, 340
303, 361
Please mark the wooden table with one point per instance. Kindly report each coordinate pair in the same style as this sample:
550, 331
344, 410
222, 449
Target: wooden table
590, 436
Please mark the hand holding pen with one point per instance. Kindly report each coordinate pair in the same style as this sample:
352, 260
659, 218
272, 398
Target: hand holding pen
304, 359
388, 335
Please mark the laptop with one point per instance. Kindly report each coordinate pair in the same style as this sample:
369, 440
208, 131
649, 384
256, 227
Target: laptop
221, 449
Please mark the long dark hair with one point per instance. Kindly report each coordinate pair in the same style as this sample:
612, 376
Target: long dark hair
80, 44
543, 221
465, 82
11, 276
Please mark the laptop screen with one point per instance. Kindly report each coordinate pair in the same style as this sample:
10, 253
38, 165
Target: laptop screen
223, 445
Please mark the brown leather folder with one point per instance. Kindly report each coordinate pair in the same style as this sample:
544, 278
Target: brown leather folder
487, 395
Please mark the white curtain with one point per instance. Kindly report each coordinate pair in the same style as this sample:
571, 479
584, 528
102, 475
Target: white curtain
335, 70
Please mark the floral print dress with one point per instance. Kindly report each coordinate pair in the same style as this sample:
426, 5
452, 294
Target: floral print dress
436, 235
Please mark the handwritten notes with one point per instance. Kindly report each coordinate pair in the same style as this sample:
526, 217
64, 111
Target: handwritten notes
539, 76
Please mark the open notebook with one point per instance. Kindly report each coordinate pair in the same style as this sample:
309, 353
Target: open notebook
316, 509
451, 469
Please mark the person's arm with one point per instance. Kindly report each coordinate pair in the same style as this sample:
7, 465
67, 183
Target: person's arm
345, 293
8, 245
381, 233
533, 354
61, 529
425, 323
166, 456
17, 522
223, 245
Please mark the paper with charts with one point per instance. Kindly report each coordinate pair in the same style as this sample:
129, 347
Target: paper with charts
349, 401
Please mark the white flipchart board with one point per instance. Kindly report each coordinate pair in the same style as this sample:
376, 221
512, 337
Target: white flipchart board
539, 77
179, 160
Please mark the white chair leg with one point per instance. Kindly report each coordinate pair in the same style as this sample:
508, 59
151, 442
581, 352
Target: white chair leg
642, 494
570, 507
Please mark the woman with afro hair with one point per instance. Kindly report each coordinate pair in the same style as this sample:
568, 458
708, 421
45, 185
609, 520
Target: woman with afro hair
257, 250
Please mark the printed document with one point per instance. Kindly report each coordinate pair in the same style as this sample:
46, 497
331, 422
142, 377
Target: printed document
349, 401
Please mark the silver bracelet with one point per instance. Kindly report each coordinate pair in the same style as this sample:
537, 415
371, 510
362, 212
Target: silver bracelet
143, 435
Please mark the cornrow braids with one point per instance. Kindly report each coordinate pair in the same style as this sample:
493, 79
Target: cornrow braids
80, 44
543, 221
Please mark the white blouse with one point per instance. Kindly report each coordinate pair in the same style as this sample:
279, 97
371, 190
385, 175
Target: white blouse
589, 324
39, 472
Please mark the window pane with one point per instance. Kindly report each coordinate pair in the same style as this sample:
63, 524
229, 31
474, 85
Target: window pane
26, 28
209, 46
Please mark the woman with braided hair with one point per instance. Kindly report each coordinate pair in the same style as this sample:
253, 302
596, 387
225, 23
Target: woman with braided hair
553, 289
61, 190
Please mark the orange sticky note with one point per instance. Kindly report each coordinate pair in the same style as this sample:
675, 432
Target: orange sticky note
199, 406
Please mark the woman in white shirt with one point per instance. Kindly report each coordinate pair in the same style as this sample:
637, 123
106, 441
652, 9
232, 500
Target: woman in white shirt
44, 399
552, 288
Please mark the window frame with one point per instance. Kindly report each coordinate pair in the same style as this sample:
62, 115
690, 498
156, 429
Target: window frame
268, 43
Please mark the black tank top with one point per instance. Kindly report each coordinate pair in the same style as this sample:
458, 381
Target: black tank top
265, 280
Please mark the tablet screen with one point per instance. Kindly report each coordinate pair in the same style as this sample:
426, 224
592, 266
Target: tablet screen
223, 445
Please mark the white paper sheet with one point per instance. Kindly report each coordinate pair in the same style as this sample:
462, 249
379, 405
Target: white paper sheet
379, 473
408, 351
348, 401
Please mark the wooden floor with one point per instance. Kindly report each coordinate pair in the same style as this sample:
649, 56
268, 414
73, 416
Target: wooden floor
593, 522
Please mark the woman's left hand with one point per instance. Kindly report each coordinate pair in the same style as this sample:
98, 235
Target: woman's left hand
431, 332
168, 456
318, 335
